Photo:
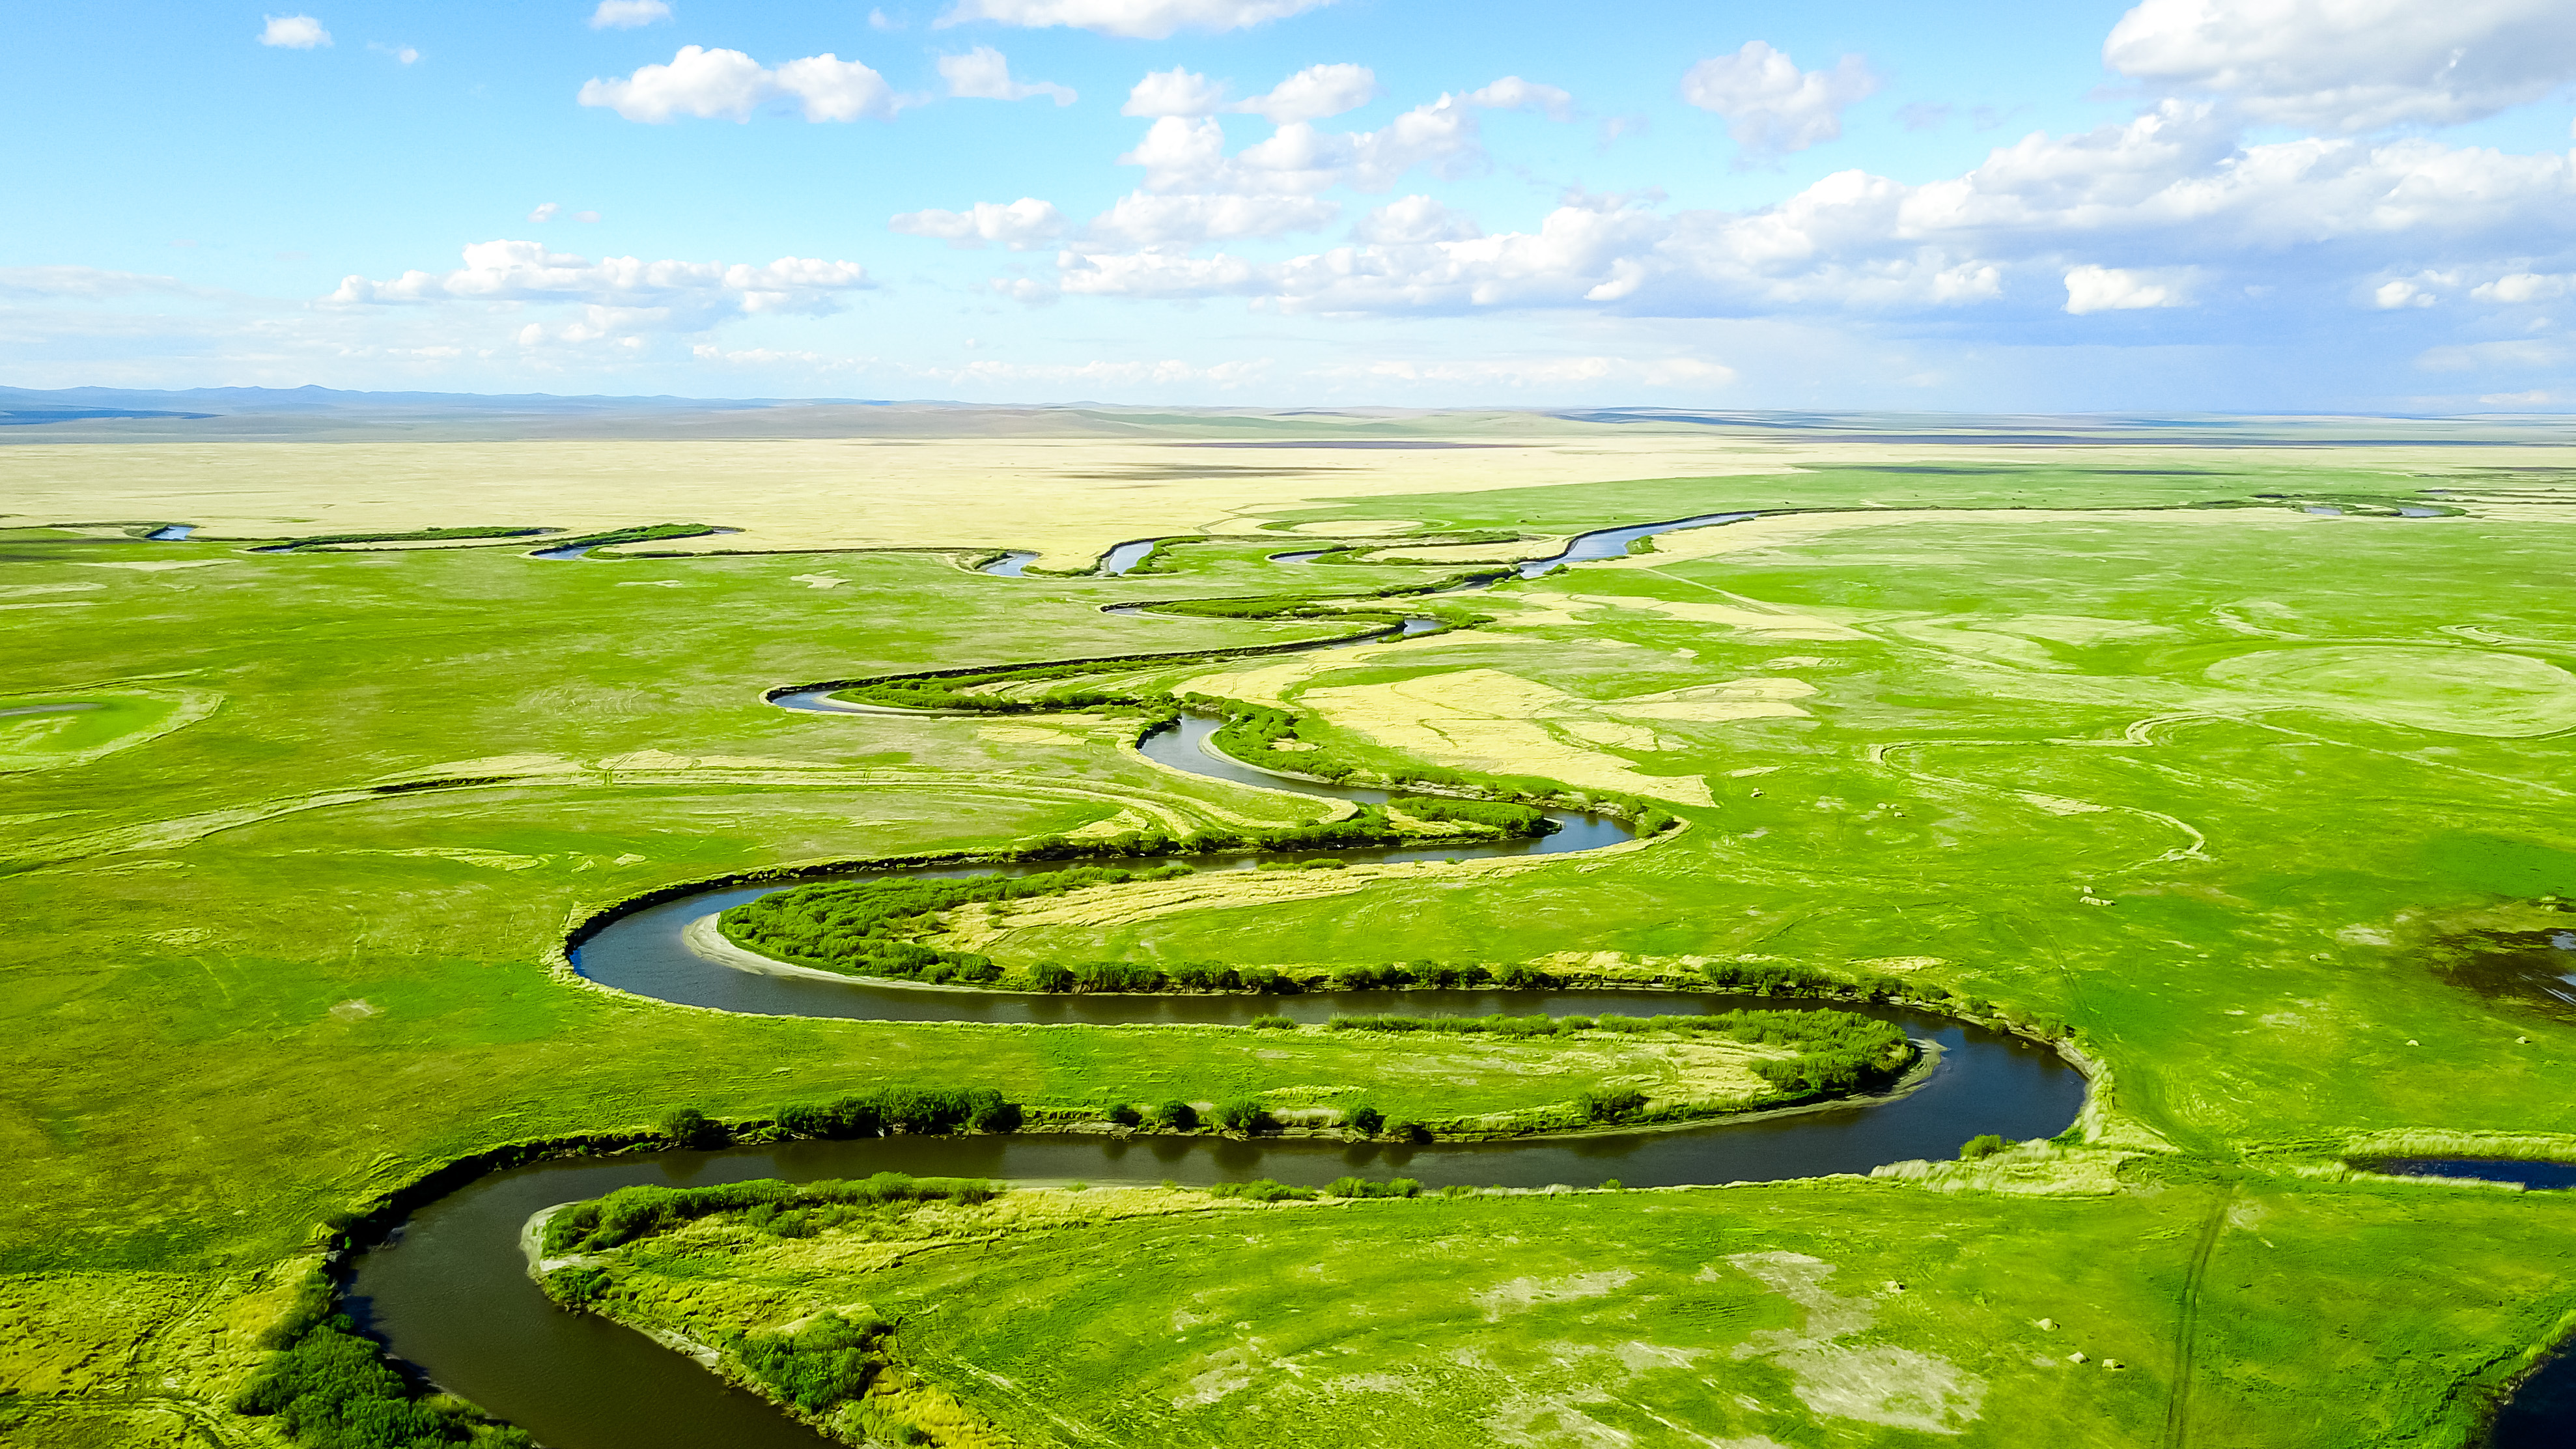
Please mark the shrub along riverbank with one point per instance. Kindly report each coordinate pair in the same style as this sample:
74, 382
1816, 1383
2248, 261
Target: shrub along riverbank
329, 1387
639, 1212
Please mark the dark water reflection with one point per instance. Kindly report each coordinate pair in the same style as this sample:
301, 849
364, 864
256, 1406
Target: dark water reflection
2542, 1412
2539, 1176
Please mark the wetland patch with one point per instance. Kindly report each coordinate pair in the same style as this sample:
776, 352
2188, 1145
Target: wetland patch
2534, 968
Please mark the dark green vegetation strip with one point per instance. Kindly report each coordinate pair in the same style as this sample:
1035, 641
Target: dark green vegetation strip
417, 535
639, 1212
637, 533
1837, 1051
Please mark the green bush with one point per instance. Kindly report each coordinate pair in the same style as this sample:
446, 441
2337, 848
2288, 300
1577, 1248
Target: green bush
921, 1110
1767, 978
1115, 976
828, 1361
1261, 1189
1206, 976
689, 1127
1177, 1116
1610, 1104
1242, 1114
577, 1287
1273, 1023
332, 1389
1984, 1144
1125, 1114
1364, 1119
1362, 1187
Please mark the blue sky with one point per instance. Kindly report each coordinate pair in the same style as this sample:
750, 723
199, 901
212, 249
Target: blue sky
2231, 205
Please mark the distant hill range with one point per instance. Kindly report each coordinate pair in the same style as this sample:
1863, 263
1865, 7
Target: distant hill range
137, 415
20, 405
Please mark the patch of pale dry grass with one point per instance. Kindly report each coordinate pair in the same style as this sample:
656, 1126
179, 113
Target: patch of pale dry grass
1066, 498
1488, 720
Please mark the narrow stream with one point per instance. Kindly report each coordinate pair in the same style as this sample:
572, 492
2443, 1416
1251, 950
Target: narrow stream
1125, 556
1582, 548
1613, 542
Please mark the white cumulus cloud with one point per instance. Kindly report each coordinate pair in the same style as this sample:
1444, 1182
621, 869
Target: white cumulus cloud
1773, 106
833, 89
1311, 94
1183, 153
729, 84
1511, 93
2115, 289
1415, 221
1137, 19
1174, 92
1141, 219
1314, 93
628, 293
1022, 224
293, 32
2180, 200
627, 14
2351, 65
983, 74
2519, 287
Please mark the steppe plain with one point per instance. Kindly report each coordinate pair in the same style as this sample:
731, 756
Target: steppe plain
2241, 750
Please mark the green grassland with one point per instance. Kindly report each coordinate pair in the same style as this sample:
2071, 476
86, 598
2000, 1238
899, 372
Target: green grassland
2306, 1314
2219, 787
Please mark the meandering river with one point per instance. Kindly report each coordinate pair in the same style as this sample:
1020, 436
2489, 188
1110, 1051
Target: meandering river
450, 1292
